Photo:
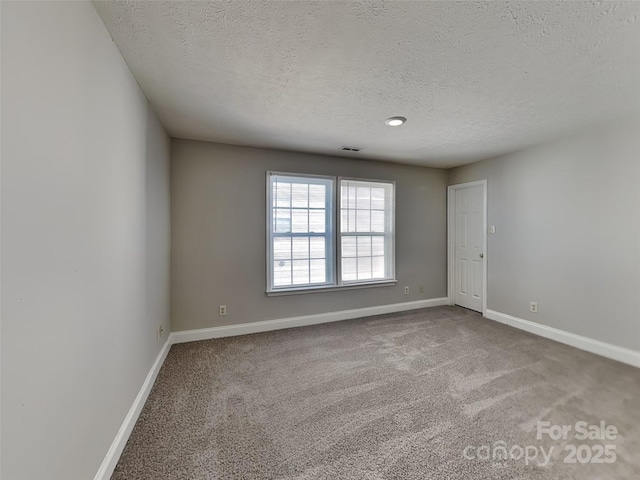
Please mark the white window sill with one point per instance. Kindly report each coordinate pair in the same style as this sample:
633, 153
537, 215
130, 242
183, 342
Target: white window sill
331, 288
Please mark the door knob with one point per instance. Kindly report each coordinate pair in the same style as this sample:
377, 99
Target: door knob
482, 255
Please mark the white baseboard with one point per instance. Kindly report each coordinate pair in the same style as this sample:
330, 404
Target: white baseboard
620, 354
115, 450
268, 325
113, 455
105, 471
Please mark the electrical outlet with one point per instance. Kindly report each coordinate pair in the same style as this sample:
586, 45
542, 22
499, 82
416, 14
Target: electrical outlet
421, 288
159, 332
223, 311
533, 306
406, 290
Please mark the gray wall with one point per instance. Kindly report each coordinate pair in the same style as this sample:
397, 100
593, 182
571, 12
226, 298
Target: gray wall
567, 218
218, 234
85, 240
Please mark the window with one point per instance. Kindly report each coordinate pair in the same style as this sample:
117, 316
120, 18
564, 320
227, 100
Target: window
301, 235
305, 251
366, 230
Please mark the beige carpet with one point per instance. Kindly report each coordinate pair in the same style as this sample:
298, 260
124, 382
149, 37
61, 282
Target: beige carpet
397, 396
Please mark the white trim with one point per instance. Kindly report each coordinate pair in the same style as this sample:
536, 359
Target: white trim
334, 259
451, 240
269, 325
624, 355
117, 446
355, 286
331, 219
620, 354
389, 231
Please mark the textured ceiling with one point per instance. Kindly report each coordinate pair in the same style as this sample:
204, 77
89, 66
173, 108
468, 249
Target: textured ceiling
474, 79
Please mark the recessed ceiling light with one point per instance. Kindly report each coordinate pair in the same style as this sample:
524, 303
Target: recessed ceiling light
395, 121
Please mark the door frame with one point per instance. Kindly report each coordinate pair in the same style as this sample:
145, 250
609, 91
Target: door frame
451, 237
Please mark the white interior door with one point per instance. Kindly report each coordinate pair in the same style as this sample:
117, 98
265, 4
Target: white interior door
469, 238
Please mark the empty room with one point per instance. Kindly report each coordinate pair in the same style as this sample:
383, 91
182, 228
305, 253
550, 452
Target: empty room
320, 240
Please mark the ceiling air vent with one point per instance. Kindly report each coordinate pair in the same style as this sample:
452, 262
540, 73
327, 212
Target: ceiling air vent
350, 149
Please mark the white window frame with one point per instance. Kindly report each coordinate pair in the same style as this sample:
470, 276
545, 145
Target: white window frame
390, 247
334, 254
330, 227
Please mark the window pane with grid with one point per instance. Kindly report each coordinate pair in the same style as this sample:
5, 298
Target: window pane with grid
366, 230
301, 239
